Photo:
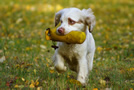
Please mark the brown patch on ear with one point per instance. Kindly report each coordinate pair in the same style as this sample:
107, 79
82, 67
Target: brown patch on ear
90, 29
57, 20
88, 24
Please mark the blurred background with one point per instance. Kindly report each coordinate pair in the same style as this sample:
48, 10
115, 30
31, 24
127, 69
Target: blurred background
25, 55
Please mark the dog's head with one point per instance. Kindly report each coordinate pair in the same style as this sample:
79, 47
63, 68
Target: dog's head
74, 19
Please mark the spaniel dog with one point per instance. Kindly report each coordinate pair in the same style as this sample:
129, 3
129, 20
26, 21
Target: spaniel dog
79, 57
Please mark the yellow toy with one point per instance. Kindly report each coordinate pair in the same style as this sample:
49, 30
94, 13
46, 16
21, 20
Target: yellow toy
74, 37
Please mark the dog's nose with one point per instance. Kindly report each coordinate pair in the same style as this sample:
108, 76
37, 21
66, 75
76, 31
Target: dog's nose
61, 30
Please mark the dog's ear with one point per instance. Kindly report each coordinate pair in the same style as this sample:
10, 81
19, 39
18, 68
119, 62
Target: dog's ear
58, 15
89, 18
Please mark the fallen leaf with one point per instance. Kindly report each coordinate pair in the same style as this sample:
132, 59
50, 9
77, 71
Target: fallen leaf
9, 83
102, 82
37, 83
28, 48
16, 86
52, 68
39, 88
35, 71
131, 69
23, 79
99, 49
95, 88
73, 81
2, 59
19, 20
42, 46
51, 71
32, 85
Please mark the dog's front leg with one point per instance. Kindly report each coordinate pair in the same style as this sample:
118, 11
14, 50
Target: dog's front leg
59, 63
83, 70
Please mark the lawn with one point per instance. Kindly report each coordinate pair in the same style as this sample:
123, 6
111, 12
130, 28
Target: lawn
25, 55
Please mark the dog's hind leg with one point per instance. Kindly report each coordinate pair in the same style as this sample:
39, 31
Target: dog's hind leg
59, 63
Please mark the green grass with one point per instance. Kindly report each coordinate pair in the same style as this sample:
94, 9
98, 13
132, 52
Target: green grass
28, 55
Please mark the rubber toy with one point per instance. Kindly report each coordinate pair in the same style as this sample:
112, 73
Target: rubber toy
73, 37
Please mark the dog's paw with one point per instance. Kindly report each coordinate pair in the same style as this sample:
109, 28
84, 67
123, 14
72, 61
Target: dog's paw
61, 70
82, 80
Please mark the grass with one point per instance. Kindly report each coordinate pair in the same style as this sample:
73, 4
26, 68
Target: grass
28, 55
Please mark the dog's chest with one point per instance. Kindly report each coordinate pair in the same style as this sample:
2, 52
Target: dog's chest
70, 54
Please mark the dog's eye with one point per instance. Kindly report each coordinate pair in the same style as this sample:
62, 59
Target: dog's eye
71, 22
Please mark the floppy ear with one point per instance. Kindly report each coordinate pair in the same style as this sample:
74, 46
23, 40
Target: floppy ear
89, 18
58, 15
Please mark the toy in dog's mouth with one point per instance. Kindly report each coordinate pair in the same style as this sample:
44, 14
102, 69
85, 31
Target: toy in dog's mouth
73, 37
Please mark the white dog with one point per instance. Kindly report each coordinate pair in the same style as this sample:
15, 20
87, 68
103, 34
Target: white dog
78, 56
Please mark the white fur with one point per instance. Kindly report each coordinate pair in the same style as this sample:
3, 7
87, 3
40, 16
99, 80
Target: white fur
78, 56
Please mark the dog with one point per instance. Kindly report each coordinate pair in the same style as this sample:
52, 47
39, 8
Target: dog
79, 57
